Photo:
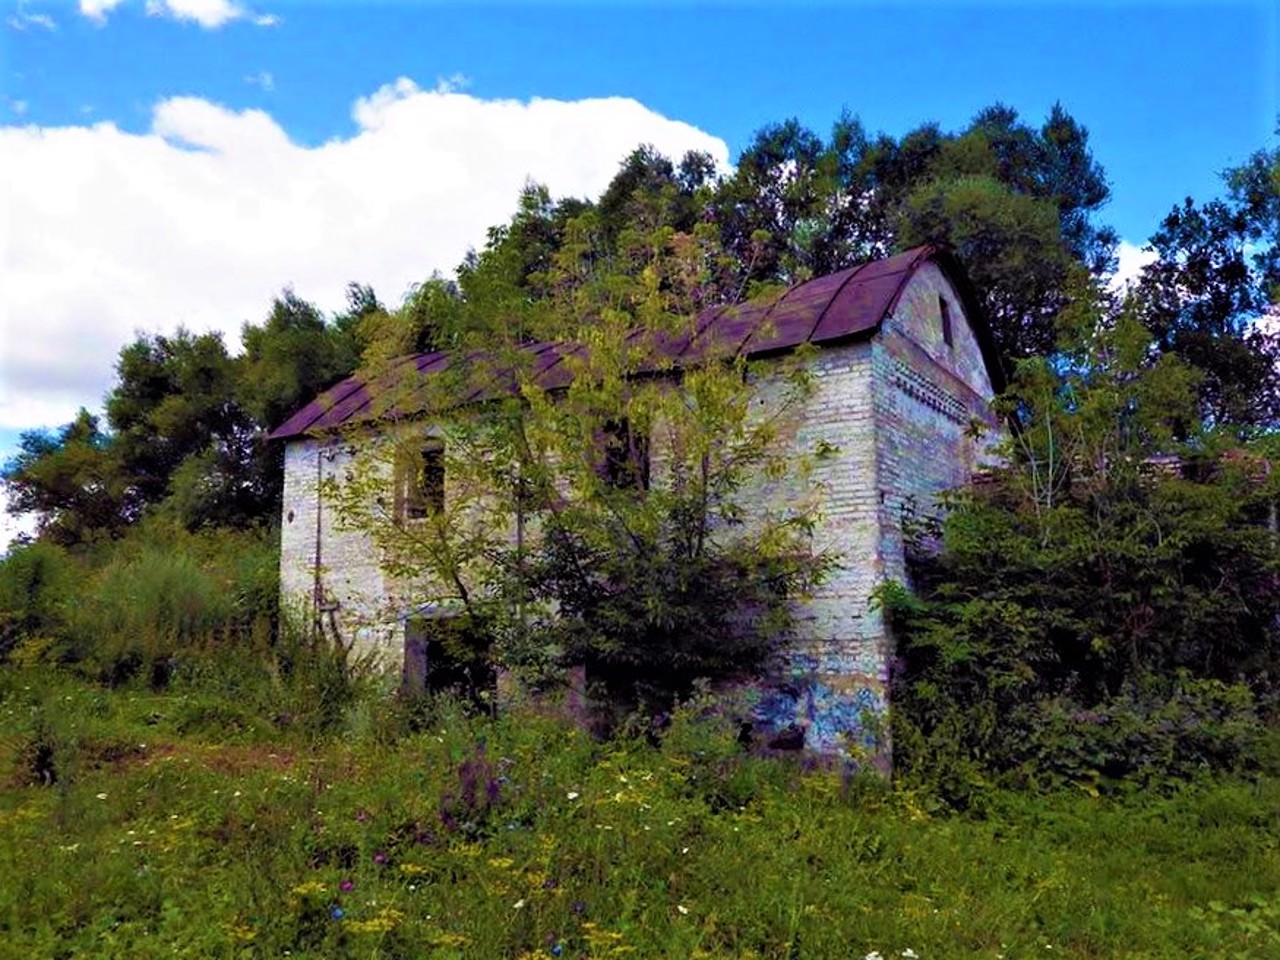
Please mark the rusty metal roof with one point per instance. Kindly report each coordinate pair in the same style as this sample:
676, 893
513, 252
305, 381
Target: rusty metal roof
834, 309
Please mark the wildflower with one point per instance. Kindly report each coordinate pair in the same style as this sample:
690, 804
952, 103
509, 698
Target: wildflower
572, 794
362, 816
910, 954
518, 905
337, 912
346, 886
380, 858
684, 911
578, 907
102, 796
556, 949
873, 955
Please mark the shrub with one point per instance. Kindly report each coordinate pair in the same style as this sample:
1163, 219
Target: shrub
1096, 606
36, 582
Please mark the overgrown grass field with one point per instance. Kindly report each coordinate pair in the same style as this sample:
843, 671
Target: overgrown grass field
195, 824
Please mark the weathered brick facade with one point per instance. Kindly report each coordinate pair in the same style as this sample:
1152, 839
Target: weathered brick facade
897, 404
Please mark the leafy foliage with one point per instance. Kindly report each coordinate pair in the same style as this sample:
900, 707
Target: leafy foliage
1106, 573
1217, 272
73, 482
556, 536
1015, 202
187, 425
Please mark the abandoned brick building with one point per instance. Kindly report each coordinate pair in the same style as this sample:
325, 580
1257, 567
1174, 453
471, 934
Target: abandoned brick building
904, 370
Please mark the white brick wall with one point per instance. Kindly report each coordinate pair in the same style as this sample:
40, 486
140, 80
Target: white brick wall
346, 566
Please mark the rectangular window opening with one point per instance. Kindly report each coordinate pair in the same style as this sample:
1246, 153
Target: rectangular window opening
944, 309
420, 482
625, 465
446, 654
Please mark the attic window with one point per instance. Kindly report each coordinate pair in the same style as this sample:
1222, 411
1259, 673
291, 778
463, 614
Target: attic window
420, 482
625, 464
944, 310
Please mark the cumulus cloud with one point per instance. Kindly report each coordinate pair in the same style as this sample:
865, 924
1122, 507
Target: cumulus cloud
98, 9
210, 14
204, 218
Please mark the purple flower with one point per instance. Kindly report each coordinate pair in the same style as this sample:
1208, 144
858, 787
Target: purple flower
380, 858
346, 886
578, 906
362, 816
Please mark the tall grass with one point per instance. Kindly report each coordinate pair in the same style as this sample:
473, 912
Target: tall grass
141, 605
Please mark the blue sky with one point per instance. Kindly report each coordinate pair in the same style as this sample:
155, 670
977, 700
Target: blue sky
178, 161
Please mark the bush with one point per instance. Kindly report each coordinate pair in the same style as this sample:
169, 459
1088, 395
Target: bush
1107, 605
36, 582
1141, 741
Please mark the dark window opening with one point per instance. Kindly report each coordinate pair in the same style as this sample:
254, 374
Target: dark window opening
944, 309
420, 482
447, 654
625, 465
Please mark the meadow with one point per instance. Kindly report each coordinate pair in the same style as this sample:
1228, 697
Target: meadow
201, 821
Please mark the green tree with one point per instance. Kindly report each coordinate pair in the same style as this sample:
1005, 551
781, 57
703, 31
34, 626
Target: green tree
173, 399
1217, 272
1016, 202
73, 481
556, 541
294, 354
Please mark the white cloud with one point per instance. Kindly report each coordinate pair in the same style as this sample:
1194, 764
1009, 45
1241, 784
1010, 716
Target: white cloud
21, 20
1131, 258
203, 219
11, 527
98, 9
18, 106
210, 14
